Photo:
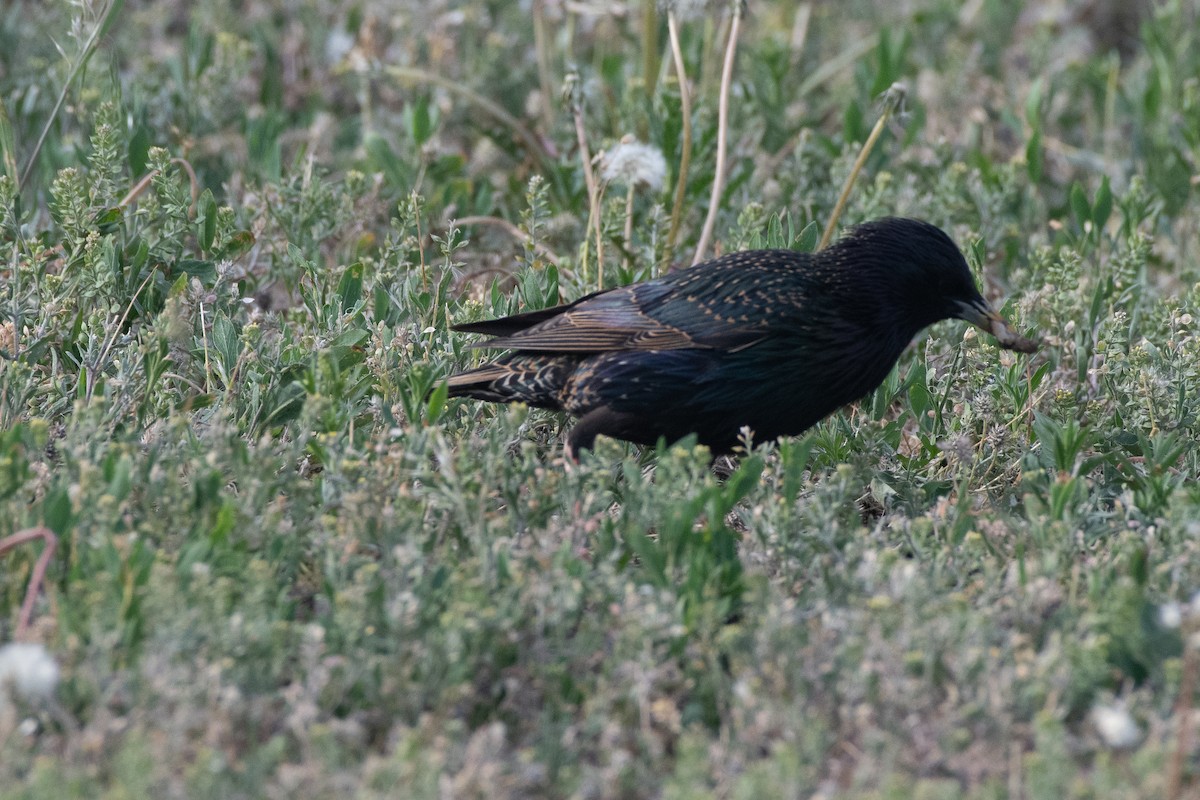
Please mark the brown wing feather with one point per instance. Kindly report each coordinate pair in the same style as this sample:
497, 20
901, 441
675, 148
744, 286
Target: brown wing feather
594, 331
672, 313
506, 326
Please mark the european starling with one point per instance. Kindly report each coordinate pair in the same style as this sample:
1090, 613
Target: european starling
770, 339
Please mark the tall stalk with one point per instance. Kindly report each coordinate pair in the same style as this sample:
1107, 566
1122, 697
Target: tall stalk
103, 22
722, 134
893, 99
685, 148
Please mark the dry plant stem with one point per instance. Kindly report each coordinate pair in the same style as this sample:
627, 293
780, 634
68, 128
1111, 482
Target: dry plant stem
685, 147
628, 224
714, 31
208, 380
102, 25
649, 45
829, 69
1110, 113
366, 103
1183, 708
421, 254
516, 233
110, 340
140, 186
800, 23
542, 46
589, 177
8, 147
722, 136
869, 145
39, 569
599, 236
523, 133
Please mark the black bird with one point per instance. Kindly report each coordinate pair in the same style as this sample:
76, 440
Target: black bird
771, 339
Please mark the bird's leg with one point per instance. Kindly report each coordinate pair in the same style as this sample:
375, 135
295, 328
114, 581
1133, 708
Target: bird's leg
39, 568
602, 420
583, 435
724, 464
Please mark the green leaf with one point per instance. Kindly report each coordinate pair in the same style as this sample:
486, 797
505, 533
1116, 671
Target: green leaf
137, 253
195, 402
139, 149
1102, 208
806, 242
350, 338
114, 11
1033, 156
8, 147
349, 289
383, 304
239, 244
1033, 104
226, 341
121, 479
853, 127
919, 398
551, 297
416, 114
208, 220
437, 402
56, 511
1079, 205
107, 219
774, 232
223, 526
380, 156
206, 271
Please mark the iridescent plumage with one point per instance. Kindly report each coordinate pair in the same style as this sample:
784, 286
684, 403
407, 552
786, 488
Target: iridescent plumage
770, 339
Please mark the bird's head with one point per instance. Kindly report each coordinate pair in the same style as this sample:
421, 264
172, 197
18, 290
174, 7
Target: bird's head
924, 277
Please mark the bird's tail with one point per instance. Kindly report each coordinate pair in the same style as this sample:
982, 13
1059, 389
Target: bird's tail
517, 378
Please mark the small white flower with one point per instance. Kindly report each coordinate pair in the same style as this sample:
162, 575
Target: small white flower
1115, 726
635, 164
28, 669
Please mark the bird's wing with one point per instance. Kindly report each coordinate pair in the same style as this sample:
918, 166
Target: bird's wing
506, 326
727, 304
628, 318
612, 320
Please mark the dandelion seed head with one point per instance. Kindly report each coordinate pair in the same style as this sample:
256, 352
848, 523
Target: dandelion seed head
1115, 725
28, 669
635, 164
1170, 615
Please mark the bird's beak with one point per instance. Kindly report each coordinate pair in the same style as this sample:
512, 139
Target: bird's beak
984, 317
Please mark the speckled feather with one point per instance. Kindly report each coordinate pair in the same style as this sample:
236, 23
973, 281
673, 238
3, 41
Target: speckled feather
770, 339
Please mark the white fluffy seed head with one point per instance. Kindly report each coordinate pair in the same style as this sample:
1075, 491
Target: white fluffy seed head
27, 670
1116, 726
635, 164
1170, 615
